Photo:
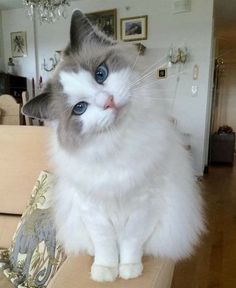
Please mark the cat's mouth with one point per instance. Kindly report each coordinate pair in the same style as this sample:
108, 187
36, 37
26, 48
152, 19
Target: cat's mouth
113, 116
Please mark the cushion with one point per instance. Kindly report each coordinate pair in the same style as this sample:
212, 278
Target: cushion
35, 255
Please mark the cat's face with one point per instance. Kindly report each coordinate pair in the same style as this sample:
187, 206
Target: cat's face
90, 90
96, 92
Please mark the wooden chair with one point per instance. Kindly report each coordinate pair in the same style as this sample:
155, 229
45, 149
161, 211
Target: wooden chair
25, 99
10, 110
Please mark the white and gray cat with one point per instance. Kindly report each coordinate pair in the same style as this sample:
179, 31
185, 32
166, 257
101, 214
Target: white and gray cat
125, 183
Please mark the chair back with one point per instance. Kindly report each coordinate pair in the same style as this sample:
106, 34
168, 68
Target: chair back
25, 99
10, 110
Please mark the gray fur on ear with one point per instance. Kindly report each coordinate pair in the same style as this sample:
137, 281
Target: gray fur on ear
38, 107
80, 28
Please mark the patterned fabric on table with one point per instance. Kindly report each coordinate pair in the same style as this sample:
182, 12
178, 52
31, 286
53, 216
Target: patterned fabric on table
35, 255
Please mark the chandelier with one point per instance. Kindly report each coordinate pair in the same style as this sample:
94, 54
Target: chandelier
47, 10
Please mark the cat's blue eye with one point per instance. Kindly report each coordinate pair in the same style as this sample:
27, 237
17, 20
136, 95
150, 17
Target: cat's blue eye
101, 73
80, 108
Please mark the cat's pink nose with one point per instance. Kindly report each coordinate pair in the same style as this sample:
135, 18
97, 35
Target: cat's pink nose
109, 103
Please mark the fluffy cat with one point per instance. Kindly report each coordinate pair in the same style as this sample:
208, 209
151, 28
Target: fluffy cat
125, 183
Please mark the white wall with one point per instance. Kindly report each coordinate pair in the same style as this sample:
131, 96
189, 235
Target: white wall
13, 21
193, 29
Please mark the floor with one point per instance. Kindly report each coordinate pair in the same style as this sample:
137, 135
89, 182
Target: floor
214, 263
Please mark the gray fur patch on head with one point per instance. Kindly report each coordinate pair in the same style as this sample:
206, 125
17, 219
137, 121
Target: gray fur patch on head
91, 56
69, 131
87, 50
88, 58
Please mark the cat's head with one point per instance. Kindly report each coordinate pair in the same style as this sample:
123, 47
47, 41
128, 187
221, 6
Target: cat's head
89, 90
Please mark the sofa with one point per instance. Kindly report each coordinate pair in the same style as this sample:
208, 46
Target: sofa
23, 154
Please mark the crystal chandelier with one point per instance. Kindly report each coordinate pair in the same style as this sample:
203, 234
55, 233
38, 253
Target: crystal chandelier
47, 10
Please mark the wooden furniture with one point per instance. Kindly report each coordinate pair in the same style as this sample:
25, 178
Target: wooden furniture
13, 85
23, 155
10, 111
25, 99
222, 148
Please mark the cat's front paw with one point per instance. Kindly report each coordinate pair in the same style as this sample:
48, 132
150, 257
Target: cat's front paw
103, 273
129, 271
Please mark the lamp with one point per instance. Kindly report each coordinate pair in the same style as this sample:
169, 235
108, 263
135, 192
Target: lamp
178, 55
48, 10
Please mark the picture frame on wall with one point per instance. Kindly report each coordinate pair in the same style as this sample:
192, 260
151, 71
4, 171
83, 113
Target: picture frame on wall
134, 28
106, 21
18, 44
162, 73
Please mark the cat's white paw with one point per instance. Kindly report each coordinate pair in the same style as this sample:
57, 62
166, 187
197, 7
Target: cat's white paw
129, 271
103, 273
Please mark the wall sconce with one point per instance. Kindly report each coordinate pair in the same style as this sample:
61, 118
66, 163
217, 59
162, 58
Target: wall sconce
54, 61
178, 55
141, 48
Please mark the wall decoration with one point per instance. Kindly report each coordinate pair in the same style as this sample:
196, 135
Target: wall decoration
106, 21
18, 44
134, 28
140, 47
162, 73
54, 61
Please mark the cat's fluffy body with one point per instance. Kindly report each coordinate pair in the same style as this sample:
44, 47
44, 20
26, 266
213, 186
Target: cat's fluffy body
125, 185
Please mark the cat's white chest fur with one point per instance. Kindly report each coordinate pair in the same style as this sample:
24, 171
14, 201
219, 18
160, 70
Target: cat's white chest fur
149, 180
115, 163
127, 192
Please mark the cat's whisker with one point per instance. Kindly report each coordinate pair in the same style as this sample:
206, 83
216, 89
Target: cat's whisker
179, 73
153, 85
153, 65
145, 76
122, 92
142, 77
142, 85
153, 90
135, 62
153, 97
146, 84
151, 72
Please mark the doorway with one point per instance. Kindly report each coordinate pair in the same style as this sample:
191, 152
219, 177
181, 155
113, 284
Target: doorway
223, 111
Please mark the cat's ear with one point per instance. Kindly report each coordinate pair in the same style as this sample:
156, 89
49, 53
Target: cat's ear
38, 107
80, 29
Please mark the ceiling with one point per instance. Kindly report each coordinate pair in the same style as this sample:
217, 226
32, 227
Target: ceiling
225, 10
10, 4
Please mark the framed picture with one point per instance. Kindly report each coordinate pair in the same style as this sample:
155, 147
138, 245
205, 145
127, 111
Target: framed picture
162, 73
18, 44
106, 21
134, 28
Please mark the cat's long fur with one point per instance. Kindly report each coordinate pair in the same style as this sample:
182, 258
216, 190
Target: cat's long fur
125, 182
